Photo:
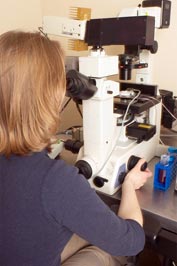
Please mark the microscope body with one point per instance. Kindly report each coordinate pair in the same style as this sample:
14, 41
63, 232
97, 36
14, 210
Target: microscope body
108, 143
104, 157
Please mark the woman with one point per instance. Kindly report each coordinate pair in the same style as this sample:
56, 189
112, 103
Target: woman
43, 202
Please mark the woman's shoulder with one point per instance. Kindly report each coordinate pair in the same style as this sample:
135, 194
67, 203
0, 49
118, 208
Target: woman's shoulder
60, 173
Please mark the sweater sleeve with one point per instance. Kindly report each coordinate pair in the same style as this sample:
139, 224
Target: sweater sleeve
72, 203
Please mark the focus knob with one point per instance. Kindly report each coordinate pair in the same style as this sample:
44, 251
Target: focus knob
99, 181
84, 168
133, 161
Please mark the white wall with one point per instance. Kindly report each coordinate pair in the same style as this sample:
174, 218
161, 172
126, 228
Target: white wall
20, 14
165, 63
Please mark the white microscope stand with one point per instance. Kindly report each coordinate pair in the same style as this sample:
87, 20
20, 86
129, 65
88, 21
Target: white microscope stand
104, 148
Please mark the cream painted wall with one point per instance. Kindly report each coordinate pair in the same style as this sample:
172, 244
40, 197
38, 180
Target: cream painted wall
164, 62
20, 14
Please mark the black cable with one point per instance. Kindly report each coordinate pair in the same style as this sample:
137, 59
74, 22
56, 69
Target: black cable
79, 110
67, 102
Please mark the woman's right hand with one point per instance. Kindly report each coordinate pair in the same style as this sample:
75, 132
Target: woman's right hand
136, 176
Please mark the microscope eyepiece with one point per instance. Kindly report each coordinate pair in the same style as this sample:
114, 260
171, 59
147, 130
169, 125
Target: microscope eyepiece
78, 86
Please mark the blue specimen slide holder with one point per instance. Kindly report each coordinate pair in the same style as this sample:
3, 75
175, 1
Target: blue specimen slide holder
165, 170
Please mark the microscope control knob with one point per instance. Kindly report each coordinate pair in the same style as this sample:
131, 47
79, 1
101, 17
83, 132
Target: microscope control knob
99, 181
152, 48
133, 161
84, 168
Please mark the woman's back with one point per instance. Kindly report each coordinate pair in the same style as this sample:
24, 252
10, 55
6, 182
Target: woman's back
30, 237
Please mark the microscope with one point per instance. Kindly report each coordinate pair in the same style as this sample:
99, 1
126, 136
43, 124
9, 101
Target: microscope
121, 120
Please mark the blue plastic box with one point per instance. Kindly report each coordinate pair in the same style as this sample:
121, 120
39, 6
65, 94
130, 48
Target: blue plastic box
165, 172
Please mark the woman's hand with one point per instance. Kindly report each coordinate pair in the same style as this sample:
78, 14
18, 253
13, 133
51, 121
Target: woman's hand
137, 177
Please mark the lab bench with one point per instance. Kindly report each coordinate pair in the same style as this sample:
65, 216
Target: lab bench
160, 216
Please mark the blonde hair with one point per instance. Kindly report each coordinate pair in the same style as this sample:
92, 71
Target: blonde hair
32, 88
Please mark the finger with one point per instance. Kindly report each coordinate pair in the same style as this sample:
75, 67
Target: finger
149, 172
140, 163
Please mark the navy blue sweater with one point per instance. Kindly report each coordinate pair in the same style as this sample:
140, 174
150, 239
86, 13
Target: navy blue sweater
43, 202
